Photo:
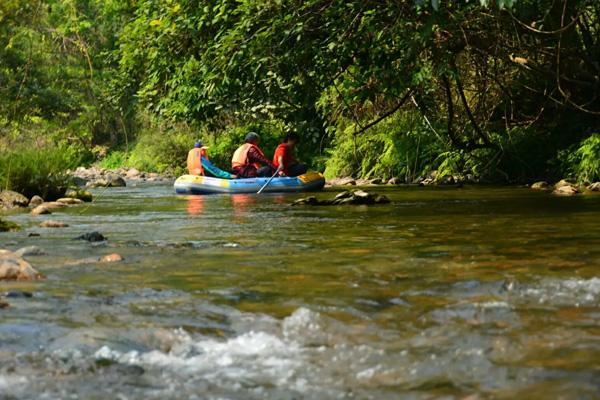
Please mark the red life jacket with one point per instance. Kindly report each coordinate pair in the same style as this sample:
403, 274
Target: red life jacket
240, 157
283, 151
194, 161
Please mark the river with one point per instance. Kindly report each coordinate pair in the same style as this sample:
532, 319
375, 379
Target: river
479, 292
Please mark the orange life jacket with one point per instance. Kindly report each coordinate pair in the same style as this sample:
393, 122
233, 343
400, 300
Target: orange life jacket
240, 157
194, 161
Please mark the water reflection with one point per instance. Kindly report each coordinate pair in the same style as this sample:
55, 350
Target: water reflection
195, 205
242, 204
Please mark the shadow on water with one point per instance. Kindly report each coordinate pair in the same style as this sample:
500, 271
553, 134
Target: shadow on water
445, 292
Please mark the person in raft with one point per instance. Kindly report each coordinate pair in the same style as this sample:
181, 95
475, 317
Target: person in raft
194, 159
198, 163
284, 158
248, 158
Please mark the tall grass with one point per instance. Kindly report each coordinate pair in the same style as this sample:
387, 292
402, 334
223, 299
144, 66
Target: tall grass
37, 171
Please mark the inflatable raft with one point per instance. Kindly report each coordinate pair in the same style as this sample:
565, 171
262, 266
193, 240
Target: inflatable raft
192, 184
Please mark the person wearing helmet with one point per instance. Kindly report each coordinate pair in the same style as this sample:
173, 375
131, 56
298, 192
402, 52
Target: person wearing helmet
249, 161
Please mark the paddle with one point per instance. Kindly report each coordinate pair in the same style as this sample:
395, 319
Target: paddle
270, 179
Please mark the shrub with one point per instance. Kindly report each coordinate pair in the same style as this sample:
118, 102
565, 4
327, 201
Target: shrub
40, 171
583, 160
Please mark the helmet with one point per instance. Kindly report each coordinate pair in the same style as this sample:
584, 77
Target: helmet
252, 137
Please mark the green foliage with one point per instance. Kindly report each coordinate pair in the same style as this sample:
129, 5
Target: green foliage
114, 160
583, 160
399, 147
37, 171
8, 226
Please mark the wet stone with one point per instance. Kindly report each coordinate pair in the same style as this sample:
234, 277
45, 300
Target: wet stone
35, 201
29, 251
41, 210
18, 294
53, 224
92, 237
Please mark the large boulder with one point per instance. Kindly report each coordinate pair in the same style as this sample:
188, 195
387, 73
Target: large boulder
13, 267
10, 199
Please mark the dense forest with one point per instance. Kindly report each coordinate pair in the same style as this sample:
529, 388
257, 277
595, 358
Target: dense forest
505, 91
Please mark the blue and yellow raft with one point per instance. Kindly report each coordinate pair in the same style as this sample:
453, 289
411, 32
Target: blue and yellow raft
192, 184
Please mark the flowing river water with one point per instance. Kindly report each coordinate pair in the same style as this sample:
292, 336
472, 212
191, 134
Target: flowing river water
445, 293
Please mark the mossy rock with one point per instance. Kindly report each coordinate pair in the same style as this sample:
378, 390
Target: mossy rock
79, 194
7, 226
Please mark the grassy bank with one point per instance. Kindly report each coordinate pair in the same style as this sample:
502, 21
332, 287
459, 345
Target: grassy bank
37, 170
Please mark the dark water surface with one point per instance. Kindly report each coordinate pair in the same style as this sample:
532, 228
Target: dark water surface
445, 293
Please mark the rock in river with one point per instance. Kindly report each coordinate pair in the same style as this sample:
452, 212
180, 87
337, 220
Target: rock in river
53, 224
35, 201
566, 190
564, 182
69, 201
10, 199
356, 197
29, 251
111, 258
79, 194
40, 210
92, 237
594, 187
13, 267
542, 185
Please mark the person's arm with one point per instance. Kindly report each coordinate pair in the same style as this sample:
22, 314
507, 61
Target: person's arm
254, 156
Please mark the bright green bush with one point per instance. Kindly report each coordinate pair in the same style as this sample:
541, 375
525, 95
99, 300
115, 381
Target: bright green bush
583, 160
40, 171
402, 147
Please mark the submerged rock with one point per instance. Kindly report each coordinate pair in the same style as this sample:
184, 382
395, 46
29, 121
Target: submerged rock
29, 251
35, 201
10, 199
92, 237
109, 258
18, 294
542, 185
4, 304
53, 224
41, 210
356, 197
13, 267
